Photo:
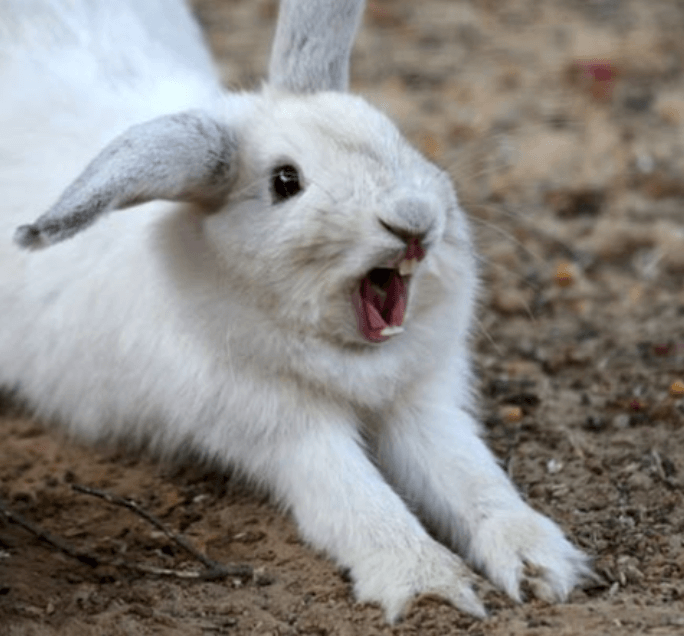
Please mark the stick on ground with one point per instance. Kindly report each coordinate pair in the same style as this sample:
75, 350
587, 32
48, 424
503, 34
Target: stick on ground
213, 569
48, 537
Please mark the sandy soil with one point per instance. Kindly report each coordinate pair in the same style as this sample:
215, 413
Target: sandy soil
562, 122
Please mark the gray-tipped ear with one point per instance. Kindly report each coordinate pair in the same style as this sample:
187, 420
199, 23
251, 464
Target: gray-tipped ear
184, 157
313, 43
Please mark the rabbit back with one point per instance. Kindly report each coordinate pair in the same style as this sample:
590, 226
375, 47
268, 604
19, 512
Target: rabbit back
75, 74
129, 42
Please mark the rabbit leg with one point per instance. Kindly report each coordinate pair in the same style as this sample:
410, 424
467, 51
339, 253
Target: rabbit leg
343, 506
434, 456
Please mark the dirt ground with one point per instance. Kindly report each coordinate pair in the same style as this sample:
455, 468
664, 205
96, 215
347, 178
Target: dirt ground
562, 122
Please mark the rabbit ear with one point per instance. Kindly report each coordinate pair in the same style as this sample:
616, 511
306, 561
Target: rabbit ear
313, 43
184, 157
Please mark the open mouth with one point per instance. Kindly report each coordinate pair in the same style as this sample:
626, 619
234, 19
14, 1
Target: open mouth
381, 300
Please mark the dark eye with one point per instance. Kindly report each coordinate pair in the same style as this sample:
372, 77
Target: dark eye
284, 183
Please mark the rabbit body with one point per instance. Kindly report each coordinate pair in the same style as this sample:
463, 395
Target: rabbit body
226, 319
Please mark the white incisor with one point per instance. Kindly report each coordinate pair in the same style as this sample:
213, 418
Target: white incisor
283, 285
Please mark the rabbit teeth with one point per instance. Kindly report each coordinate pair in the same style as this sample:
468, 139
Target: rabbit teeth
391, 331
408, 266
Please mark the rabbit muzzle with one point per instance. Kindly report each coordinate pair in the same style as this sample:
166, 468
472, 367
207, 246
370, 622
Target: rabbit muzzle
381, 298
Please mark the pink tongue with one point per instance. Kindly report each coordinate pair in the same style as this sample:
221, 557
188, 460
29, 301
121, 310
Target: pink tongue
375, 313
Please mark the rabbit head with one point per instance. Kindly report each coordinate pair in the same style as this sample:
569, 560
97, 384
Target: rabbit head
331, 216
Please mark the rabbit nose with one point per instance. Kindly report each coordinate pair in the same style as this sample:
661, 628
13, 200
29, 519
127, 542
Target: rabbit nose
414, 239
412, 219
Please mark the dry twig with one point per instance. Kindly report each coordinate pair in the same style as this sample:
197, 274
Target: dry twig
213, 569
48, 537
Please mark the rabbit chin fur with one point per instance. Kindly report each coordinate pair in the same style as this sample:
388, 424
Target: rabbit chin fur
232, 331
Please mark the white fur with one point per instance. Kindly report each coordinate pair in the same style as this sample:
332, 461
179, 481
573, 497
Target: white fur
227, 328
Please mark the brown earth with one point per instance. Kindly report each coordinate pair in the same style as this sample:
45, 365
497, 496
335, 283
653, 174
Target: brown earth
562, 122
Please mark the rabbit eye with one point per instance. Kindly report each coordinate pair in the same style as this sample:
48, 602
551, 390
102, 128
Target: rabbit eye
284, 183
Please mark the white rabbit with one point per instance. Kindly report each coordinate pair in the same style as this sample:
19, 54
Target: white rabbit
293, 299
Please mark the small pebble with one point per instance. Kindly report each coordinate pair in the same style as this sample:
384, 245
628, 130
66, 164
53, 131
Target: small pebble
621, 421
564, 274
677, 388
512, 414
553, 466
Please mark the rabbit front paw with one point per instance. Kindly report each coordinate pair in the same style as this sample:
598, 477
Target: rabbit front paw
523, 550
393, 578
